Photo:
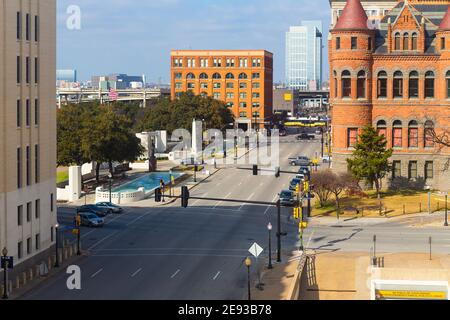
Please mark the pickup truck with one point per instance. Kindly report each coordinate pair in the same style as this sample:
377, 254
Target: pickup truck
305, 136
300, 161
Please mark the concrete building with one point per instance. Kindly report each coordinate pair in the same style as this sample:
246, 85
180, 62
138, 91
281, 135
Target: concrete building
28, 127
116, 81
304, 56
243, 79
397, 79
66, 75
285, 101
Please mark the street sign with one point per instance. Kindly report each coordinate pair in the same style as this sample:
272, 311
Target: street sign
10, 261
303, 225
255, 250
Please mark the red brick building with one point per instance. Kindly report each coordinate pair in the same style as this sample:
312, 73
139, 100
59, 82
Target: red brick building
397, 78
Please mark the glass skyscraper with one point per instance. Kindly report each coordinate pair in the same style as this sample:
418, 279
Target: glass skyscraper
304, 56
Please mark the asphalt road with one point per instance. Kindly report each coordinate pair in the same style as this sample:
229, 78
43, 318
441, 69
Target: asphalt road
176, 253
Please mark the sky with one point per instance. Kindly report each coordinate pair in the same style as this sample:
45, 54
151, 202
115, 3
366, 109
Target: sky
136, 36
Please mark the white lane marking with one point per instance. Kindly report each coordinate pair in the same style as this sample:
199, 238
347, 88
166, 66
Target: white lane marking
175, 274
248, 199
136, 272
138, 218
204, 196
268, 207
309, 240
216, 276
95, 274
100, 241
221, 201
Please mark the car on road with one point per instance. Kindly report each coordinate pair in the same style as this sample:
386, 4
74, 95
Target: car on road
303, 169
300, 161
294, 183
112, 208
90, 219
287, 198
326, 159
306, 136
97, 210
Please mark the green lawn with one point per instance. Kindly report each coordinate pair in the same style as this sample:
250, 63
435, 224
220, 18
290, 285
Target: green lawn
62, 176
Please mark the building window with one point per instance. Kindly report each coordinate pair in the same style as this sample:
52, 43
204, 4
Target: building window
243, 95
256, 105
346, 84
397, 41
203, 76
256, 95
36, 28
406, 41
37, 209
36, 112
428, 134
38, 242
447, 78
413, 134
243, 105
36, 70
382, 84
229, 76
19, 26
19, 69
354, 43
19, 250
19, 168
52, 234
243, 76
242, 85
397, 134
29, 211
217, 62
429, 170
396, 169
361, 85
338, 43
28, 166
178, 75
414, 41
352, 137
243, 114
27, 24
27, 112
51, 202
217, 95
191, 85
19, 215
27, 69
217, 85
19, 114
335, 81
413, 84
382, 128
429, 84
230, 104
442, 43
29, 246
37, 166
412, 170
230, 85
398, 85
256, 85
256, 75
230, 95
217, 76
203, 94
203, 85
178, 85
190, 76
369, 44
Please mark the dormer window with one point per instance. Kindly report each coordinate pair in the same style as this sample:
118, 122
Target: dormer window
397, 41
414, 41
406, 41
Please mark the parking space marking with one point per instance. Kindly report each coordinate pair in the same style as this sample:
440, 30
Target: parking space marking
175, 274
136, 272
100, 241
216, 276
95, 274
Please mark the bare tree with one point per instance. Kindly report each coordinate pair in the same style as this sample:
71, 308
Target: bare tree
338, 184
440, 137
321, 181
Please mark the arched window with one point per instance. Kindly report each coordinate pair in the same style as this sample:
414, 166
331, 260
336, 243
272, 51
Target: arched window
397, 41
217, 76
429, 84
447, 78
361, 84
190, 76
203, 76
335, 79
414, 41
413, 134
229, 76
382, 128
428, 134
398, 84
346, 84
413, 84
406, 41
243, 76
382, 84
397, 134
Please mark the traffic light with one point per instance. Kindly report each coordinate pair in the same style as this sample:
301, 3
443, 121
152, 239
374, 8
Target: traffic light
184, 196
255, 170
296, 213
78, 220
158, 195
277, 172
305, 186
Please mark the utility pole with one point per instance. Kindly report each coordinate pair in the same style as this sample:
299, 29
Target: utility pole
279, 230
446, 210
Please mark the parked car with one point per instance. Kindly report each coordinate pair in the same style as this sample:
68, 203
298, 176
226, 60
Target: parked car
90, 219
97, 210
300, 161
188, 162
294, 183
303, 169
326, 159
112, 208
287, 198
305, 136
300, 176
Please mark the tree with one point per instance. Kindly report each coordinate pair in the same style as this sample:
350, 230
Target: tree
370, 161
321, 181
339, 183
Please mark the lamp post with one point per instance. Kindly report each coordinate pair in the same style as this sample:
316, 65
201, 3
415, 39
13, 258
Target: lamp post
248, 263
203, 157
446, 210
270, 227
56, 246
5, 274
235, 148
110, 187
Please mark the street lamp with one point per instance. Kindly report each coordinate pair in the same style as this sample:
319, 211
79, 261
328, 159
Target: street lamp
248, 263
203, 136
110, 187
56, 246
5, 274
270, 227
446, 210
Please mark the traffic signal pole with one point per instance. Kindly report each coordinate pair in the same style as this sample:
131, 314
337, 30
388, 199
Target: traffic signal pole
279, 230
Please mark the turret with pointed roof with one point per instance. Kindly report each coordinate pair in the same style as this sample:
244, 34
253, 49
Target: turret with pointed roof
353, 17
445, 24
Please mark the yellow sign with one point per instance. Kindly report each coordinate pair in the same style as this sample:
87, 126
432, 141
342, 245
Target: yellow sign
303, 225
296, 213
306, 186
297, 189
315, 161
75, 231
396, 294
288, 97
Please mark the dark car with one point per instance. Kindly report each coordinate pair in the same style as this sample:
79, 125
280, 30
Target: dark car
97, 210
294, 183
112, 208
305, 136
287, 198
90, 219
300, 161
